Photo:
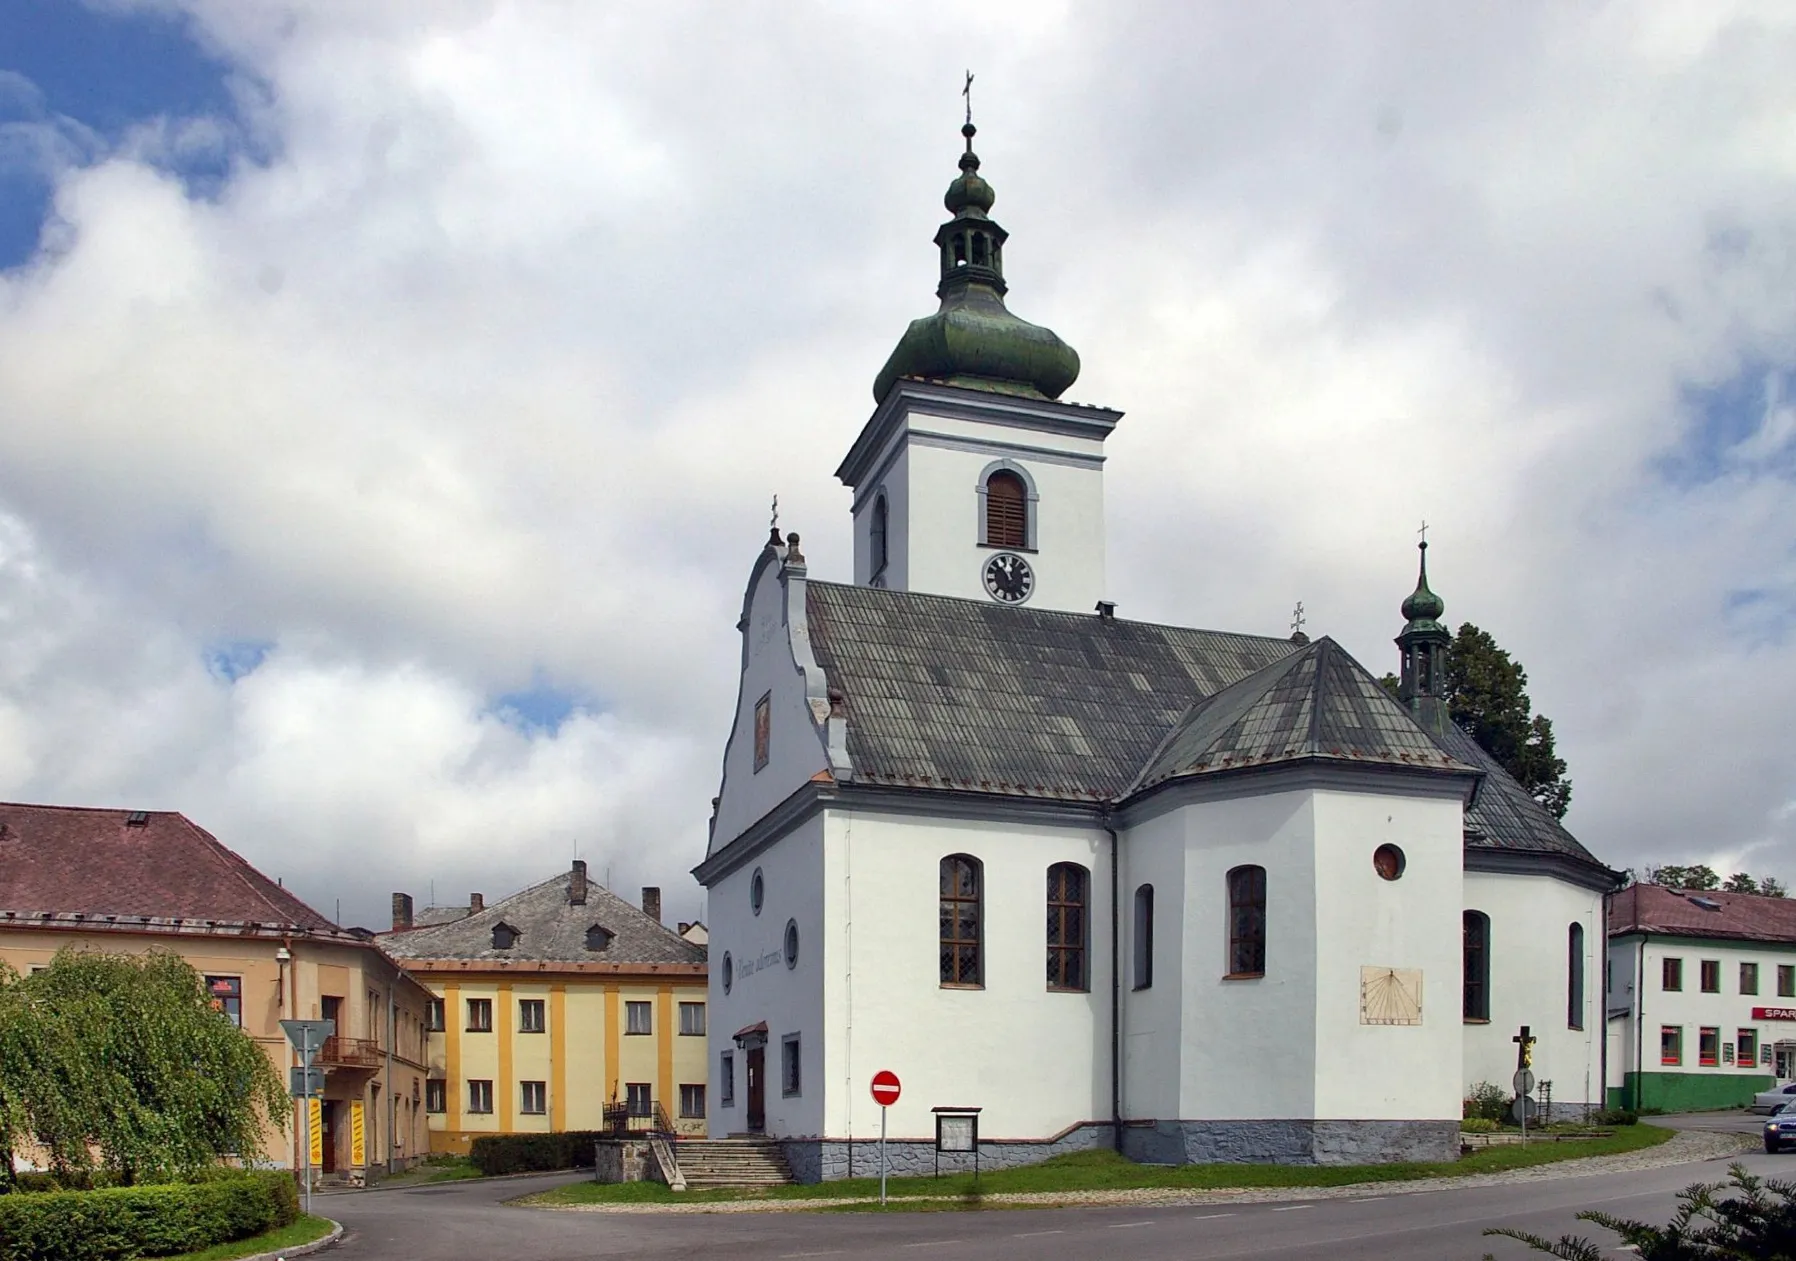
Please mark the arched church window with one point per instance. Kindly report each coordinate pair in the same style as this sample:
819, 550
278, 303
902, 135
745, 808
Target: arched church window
1247, 922
962, 920
1476, 1003
1574, 977
1144, 937
1006, 510
1068, 886
876, 538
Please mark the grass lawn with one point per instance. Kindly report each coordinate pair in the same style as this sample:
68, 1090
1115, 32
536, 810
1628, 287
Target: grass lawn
1105, 1170
442, 1168
305, 1230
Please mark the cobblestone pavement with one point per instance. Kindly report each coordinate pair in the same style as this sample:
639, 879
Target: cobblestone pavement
1688, 1147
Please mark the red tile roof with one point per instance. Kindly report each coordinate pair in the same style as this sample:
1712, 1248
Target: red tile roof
62, 862
1649, 908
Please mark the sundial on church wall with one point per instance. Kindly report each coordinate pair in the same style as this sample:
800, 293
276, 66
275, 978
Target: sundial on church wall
1390, 996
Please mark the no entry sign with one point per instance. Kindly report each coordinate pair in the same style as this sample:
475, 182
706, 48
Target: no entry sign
885, 1088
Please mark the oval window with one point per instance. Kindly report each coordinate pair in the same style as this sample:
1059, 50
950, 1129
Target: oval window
729, 972
791, 943
1388, 861
757, 891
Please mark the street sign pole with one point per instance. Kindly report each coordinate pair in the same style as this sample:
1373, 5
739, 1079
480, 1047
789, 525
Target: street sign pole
308, 1038
885, 1091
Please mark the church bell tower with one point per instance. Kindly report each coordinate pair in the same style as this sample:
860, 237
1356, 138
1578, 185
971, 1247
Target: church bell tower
972, 478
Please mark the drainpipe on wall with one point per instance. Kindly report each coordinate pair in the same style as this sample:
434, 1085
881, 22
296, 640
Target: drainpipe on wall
1603, 1025
1115, 997
1640, 1027
392, 1036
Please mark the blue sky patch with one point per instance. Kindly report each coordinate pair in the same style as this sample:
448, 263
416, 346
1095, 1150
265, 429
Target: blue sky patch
1741, 424
233, 659
541, 707
98, 73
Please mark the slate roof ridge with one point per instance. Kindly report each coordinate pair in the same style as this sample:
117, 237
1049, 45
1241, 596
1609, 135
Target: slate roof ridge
1082, 619
547, 925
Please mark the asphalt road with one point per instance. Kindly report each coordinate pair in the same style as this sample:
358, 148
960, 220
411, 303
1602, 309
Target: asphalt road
428, 1223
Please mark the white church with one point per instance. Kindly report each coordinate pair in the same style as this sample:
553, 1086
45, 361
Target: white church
1198, 895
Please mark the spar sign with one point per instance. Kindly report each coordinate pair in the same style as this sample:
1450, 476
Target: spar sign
1774, 1013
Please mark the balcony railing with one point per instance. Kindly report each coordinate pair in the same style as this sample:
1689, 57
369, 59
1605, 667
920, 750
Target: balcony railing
341, 1052
624, 1118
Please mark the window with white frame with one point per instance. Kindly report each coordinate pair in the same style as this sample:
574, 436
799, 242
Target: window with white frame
533, 1097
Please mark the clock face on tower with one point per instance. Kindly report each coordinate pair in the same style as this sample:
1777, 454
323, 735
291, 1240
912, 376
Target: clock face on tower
1008, 578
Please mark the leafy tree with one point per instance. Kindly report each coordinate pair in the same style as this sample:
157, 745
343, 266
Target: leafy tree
1486, 694
1700, 876
1757, 1220
124, 1057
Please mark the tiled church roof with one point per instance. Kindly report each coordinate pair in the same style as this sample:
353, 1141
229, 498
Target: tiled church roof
135, 870
967, 695
1649, 908
1315, 704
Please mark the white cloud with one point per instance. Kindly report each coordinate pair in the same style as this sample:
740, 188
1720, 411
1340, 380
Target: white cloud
487, 371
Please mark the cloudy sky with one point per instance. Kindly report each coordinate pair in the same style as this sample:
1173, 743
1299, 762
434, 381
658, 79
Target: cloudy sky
391, 391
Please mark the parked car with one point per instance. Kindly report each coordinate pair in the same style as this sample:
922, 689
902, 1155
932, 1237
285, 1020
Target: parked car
1780, 1130
1776, 1099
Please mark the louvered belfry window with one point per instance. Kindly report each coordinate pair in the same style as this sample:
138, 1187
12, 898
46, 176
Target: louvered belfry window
1067, 884
1006, 510
961, 916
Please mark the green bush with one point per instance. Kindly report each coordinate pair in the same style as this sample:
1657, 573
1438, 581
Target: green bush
119, 1223
1486, 1103
1616, 1116
527, 1153
1478, 1125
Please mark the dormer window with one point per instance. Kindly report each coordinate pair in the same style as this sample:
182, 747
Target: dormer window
504, 936
597, 938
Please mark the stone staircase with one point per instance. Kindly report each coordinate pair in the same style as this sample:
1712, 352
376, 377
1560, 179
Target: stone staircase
711, 1164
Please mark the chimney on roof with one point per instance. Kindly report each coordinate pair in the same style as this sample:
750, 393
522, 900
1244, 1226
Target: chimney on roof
476, 904
651, 902
402, 911
1107, 609
576, 885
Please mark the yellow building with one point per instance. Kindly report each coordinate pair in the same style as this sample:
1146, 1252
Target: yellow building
132, 881
552, 1005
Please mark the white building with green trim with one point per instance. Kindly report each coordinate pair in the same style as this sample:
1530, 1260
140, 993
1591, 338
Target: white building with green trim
1702, 997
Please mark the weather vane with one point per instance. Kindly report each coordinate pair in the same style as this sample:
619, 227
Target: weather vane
1297, 619
967, 92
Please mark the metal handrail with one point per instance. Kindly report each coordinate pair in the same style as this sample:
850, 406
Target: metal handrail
621, 1118
350, 1052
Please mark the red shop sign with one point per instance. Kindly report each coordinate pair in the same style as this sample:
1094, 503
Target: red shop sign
1774, 1013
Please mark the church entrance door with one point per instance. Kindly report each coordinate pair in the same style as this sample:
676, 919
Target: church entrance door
757, 1088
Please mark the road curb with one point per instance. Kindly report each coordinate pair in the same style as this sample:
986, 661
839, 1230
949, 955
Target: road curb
300, 1250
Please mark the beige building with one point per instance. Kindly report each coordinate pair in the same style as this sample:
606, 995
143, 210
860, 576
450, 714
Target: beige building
553, 1005
132, 881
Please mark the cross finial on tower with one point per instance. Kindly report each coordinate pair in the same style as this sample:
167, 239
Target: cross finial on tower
1424, 533
776, 512
967, 91
1297, 619
773, 539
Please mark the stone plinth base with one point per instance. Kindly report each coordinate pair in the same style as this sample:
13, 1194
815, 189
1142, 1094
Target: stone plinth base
625, 1160
827, 1159
1290, 1142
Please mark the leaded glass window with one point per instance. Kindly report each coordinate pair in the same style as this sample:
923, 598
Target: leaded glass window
1068, 884
1247, 921
962, 920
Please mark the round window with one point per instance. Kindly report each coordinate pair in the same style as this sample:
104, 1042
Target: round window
791, 943
729, 972
1388, 861
757, 891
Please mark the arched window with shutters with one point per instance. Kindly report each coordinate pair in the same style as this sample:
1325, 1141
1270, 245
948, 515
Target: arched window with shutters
1069, 885
962, 920
1247, 922
1144, 937
877, 547
1007, 502
1574, 977
1476, 1002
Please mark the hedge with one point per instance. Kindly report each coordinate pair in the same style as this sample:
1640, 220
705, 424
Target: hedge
526, 1153
120, 1223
